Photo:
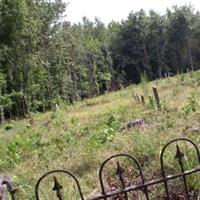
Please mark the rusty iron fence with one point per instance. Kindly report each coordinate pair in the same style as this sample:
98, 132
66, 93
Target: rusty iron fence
124, 190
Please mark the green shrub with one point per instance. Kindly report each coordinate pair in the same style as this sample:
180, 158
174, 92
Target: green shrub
9, 127
182, 77
191, 105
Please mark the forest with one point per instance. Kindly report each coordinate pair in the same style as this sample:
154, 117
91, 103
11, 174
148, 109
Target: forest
46, 61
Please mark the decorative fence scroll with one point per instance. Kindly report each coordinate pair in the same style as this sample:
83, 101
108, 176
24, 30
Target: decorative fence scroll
124, 190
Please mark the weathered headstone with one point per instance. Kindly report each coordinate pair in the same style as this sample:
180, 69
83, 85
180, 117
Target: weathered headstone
142, 100
157, 99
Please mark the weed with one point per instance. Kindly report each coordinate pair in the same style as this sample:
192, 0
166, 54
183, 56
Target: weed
191, 105
182, 77
152, 102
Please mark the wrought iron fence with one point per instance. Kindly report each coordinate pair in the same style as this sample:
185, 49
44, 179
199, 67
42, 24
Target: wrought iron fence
124, 190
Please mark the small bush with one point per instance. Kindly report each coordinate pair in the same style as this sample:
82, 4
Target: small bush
182, 77
152, 102
9, 127
101, 136
191, 105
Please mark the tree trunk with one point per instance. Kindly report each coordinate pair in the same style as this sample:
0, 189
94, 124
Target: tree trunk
2, 118
146, 57
190, 55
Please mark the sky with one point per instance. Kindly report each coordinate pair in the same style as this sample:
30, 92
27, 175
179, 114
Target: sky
108, 10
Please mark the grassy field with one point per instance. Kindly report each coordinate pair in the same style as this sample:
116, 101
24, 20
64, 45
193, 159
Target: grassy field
79, 137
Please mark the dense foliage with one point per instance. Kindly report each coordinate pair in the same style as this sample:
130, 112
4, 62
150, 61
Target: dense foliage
45, 60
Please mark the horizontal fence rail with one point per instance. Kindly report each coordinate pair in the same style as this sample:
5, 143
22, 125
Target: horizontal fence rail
123, 191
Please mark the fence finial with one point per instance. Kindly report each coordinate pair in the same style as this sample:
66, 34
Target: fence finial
58, 187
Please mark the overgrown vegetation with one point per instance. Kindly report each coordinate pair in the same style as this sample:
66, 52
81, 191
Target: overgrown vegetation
79, 137
47, 66
45, 61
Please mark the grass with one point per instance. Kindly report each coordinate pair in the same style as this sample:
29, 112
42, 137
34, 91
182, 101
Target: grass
79, 137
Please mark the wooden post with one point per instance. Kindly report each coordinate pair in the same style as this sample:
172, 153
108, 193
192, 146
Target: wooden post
157, 99
142, 100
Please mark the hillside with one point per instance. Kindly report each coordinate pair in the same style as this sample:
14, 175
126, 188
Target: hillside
81, 136
44, 59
